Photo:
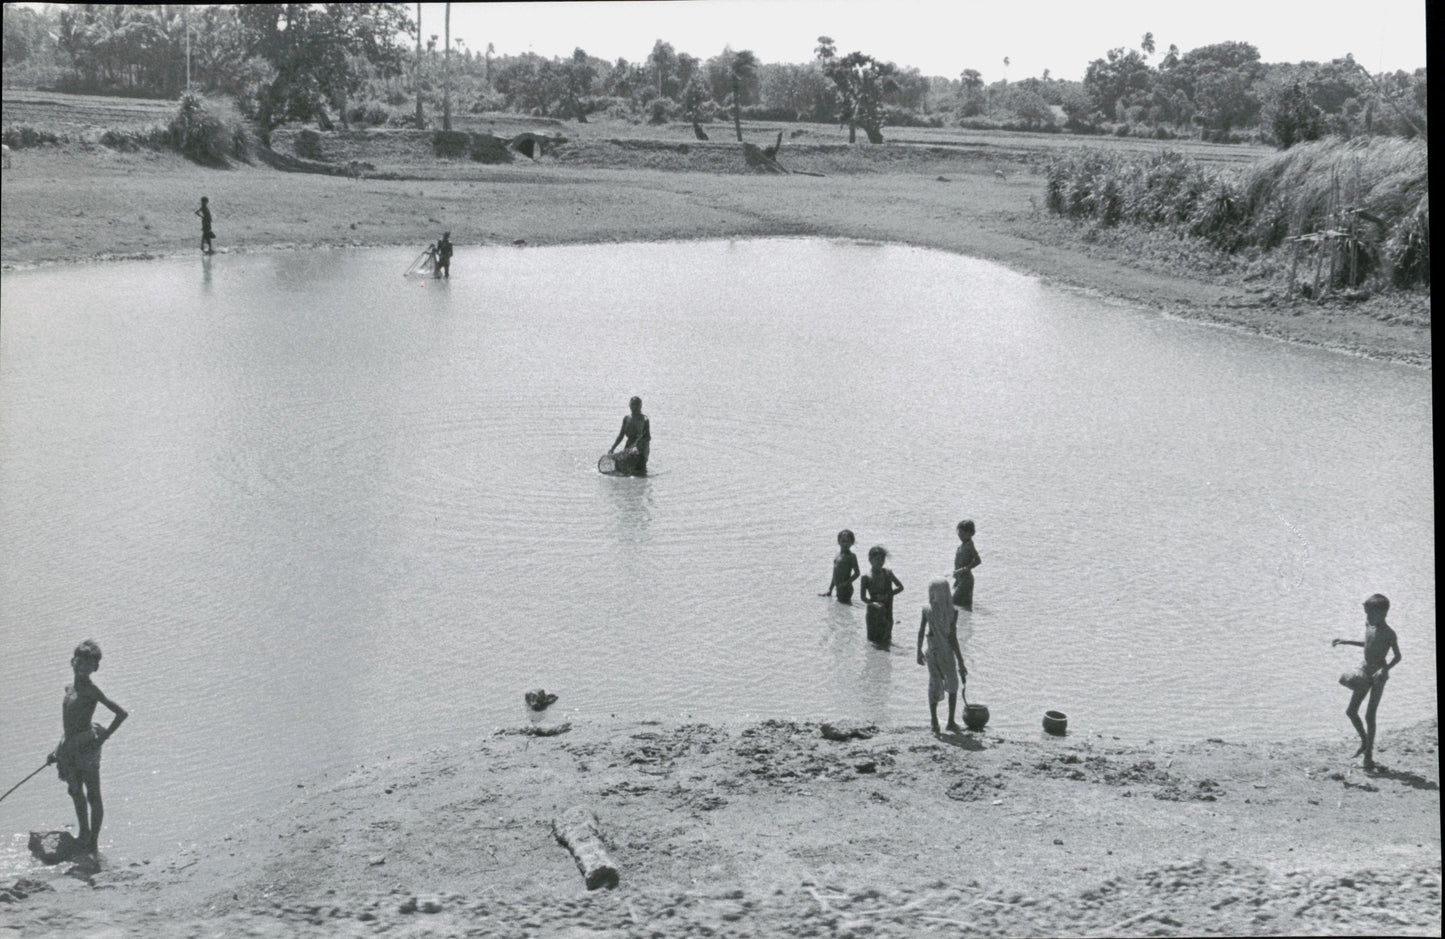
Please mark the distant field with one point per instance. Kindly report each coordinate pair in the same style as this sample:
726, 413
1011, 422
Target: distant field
1009, 145
604, 141
64, 114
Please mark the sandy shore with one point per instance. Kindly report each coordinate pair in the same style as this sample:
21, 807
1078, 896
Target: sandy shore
772, 829
74, 204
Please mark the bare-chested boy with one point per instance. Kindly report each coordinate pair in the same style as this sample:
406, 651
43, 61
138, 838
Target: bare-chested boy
1379, 639
77, 757
845, 569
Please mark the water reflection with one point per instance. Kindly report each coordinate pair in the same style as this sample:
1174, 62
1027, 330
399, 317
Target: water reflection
631, 501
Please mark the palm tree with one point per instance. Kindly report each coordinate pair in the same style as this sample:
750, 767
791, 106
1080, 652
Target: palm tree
743, 67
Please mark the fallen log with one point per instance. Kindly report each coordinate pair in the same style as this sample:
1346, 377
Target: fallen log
577, 830
758, 158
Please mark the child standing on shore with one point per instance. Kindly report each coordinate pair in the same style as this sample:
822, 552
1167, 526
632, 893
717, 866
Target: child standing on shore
1370, 677
207, 236
939, 624
77, 757
878, 587
965, 559
845, 569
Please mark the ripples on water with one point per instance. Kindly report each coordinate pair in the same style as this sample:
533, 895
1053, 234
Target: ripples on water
316, 513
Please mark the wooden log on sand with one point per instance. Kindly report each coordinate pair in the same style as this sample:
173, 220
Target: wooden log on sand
577, 830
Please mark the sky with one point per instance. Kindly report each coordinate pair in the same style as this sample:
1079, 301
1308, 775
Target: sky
944, 37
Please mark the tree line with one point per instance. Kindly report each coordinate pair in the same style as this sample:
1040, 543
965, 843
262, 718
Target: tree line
378, 63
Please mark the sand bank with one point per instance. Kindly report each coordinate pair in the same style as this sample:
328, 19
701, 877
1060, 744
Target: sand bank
771, 829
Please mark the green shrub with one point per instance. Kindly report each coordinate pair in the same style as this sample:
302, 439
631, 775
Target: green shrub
453, 144
197, 132
308, 144
21, 136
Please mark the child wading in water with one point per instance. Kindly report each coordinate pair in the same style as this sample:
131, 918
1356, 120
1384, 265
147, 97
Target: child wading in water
965, 559
939, 624
77, 758
845, 569
878, 588
1370, 677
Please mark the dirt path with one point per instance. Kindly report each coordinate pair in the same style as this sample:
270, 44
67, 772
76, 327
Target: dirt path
771, 829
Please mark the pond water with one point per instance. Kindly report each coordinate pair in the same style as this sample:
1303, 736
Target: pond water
316, 513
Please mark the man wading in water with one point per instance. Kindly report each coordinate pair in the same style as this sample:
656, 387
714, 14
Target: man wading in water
77, 758
637, 431
443, 265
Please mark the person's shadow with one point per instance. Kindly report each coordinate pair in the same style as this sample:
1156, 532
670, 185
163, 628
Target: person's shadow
962, 739
1413, 780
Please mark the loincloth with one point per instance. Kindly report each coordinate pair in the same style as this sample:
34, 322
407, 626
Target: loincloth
79, 753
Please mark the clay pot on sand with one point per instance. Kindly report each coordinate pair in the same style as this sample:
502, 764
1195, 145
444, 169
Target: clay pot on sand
1056, 723
975, 716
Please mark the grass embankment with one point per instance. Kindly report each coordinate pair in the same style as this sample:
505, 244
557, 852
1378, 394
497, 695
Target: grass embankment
974, 193
772, 830
1331, 219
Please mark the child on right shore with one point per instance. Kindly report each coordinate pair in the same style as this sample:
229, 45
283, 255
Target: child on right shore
1370, 677
965, 559
845, 569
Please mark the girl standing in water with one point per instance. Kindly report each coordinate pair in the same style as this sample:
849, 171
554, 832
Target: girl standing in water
77, 757
878, 588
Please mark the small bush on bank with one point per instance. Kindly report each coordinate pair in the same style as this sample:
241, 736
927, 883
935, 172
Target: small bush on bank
371, 113
22, 136
198, 131
902, 117
661, 111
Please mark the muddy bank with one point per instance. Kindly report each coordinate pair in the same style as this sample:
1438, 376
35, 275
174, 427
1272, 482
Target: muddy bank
772, 829
72, 204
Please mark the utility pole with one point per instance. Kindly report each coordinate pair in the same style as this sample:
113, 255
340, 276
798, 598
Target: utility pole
186, 21
416, 75
447, 79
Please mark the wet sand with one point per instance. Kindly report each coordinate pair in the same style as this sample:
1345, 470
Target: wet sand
771, 829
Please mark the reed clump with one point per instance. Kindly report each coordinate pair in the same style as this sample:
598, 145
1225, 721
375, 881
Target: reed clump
1360, 207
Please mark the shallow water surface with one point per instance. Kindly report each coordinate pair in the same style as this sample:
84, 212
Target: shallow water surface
316, 513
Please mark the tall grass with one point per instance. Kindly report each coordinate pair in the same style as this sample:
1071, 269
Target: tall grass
1368, 197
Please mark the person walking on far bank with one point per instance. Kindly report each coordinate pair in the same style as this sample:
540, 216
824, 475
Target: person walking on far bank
1370, 677
965, 559
637, 431
77, 757
443, 265
207, 235
939, 624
